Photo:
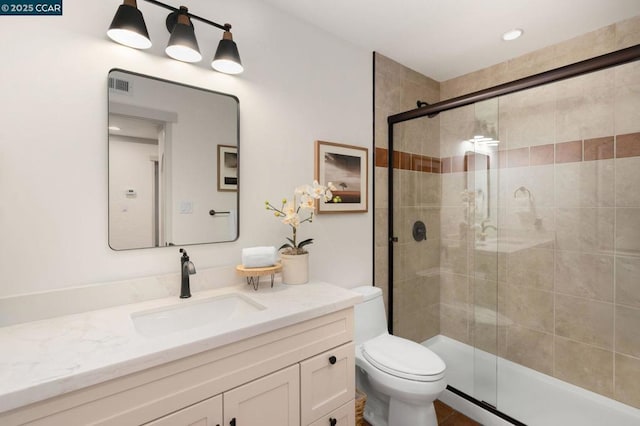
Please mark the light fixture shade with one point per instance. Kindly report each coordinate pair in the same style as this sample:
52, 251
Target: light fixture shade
183, 45
128, 27
227, 58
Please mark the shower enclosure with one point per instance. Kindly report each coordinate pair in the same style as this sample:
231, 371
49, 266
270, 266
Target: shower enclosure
513, 228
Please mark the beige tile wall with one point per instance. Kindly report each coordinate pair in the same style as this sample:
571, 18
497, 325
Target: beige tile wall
571, 304
416, 285
568, 308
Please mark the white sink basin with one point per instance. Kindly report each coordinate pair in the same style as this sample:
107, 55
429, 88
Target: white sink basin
194, 313
510, 244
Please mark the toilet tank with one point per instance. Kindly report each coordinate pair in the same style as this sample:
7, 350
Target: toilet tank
370, 318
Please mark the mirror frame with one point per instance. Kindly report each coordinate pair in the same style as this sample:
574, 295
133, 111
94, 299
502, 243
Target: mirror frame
162, 80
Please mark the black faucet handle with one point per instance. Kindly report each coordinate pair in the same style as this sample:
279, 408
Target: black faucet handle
186, 268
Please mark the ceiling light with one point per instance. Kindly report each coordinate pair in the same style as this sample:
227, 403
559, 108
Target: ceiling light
128, 27
512, 34
114, 128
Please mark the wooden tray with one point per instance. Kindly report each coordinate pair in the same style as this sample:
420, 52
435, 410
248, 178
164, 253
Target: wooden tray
253, 274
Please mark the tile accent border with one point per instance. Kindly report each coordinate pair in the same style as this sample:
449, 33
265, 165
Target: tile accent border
604, 148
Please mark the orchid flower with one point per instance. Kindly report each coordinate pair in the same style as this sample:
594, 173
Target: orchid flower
290, 212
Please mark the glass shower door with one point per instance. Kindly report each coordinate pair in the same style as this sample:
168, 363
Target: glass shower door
415, 231
484, 249
443, 238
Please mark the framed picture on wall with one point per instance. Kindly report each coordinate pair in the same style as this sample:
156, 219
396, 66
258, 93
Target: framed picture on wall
345, 166
227, 168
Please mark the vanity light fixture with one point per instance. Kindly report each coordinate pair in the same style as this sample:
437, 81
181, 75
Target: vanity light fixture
183, 45
485, 135
480, 140
227, 58
128, 28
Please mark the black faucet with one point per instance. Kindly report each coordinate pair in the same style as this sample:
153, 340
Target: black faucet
187, 269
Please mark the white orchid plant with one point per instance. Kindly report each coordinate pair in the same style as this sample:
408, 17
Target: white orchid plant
300, 210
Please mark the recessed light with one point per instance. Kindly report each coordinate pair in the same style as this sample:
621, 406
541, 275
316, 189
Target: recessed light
512, 34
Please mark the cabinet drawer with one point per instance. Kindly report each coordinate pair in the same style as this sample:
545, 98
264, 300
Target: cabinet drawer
270, 400
343, 416
205, 413
327, 381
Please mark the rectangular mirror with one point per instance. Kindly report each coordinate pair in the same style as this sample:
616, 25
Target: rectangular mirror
173, 163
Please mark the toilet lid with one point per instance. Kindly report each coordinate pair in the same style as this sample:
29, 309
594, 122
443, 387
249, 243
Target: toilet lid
403, 358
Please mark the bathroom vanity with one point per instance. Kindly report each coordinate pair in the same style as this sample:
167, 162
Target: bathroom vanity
289, 361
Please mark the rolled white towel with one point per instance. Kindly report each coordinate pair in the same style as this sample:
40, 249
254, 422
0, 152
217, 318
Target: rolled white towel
258, 257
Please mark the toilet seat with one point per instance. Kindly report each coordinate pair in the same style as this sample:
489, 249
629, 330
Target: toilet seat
403, 358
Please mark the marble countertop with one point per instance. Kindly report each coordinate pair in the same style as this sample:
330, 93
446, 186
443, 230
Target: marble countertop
47, 358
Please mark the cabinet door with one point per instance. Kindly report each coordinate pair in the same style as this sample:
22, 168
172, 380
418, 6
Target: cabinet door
271, 400
343, 416
205, 413
327, 381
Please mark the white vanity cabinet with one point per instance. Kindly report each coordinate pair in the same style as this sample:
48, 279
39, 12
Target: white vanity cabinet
273, 400
205, 413
300, 374
270, 400
327, 383
316, 392
344, 415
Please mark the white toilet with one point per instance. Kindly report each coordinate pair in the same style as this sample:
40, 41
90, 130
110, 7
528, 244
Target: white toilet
401, 378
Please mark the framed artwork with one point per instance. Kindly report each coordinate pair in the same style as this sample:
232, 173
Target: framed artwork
345, 166
227, 168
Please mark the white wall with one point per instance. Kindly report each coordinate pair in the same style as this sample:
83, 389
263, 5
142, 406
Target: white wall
300, 84
130, 216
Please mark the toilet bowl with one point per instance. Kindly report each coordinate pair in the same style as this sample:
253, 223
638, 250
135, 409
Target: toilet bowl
401, 378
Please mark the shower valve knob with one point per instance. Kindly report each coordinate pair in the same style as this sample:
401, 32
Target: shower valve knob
419, 231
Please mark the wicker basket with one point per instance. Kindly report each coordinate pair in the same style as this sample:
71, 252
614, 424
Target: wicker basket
361, 400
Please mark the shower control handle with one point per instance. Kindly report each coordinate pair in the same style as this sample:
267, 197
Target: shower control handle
332, 359
419, 231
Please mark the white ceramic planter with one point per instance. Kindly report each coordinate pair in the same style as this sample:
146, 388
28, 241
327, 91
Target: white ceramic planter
295, 268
